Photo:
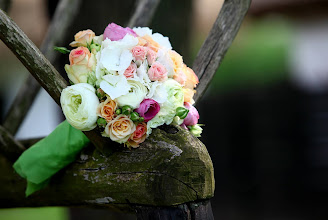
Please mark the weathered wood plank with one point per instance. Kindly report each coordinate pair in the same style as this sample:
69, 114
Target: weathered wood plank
218, 41
198, 210
143, 13
168, 169
62, 20
9, 147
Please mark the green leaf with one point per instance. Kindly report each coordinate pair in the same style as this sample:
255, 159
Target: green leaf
63, 50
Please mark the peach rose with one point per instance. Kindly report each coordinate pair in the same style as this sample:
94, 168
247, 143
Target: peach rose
157, 72
188, 95
177, 61
141, 41
180, 77
120, 129
151, 56
138, 136
107, 109
192, 79
83, 38
82, 66
151, 43
139, 53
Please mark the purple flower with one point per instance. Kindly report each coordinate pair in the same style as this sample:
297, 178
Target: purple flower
115, 32
192, 117
148, 109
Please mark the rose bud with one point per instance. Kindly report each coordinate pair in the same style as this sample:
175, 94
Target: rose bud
192, 117
101, 122
126, 110
148, 109
182, 112
134, 116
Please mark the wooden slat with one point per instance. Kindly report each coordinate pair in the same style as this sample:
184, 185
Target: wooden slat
143, 13
218, 41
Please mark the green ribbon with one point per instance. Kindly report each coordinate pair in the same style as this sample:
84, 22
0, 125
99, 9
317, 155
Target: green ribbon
45, 158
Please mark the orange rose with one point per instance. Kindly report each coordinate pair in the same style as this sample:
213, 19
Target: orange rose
120, 129
82, 66
107, 109
83, 38
138, 136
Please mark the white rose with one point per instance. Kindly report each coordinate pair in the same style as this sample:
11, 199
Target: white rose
79, 104
136, 94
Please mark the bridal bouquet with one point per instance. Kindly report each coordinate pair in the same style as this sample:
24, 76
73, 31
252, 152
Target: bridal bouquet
127, 82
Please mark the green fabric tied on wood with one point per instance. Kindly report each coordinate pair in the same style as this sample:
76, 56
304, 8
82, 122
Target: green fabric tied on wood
45, 158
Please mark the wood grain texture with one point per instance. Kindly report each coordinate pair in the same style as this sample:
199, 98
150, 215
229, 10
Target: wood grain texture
167, 170
62, 20
218, 41
143, 13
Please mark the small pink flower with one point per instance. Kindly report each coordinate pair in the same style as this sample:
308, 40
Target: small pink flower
148, 109
157, 72
139, 53
151, 56
192, 117
130, 71
115, 32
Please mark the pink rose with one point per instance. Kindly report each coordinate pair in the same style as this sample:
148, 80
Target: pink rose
151, 56
138, 136
148, 109
139, 53
192, 117
157, 72
115, 32
130, 71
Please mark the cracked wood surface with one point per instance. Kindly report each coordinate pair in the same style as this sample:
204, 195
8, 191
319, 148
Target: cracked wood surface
168, 169
218, 41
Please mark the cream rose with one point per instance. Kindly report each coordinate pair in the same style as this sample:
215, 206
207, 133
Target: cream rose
120, 129
79, 104
82, 66
83, 38
136, 94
